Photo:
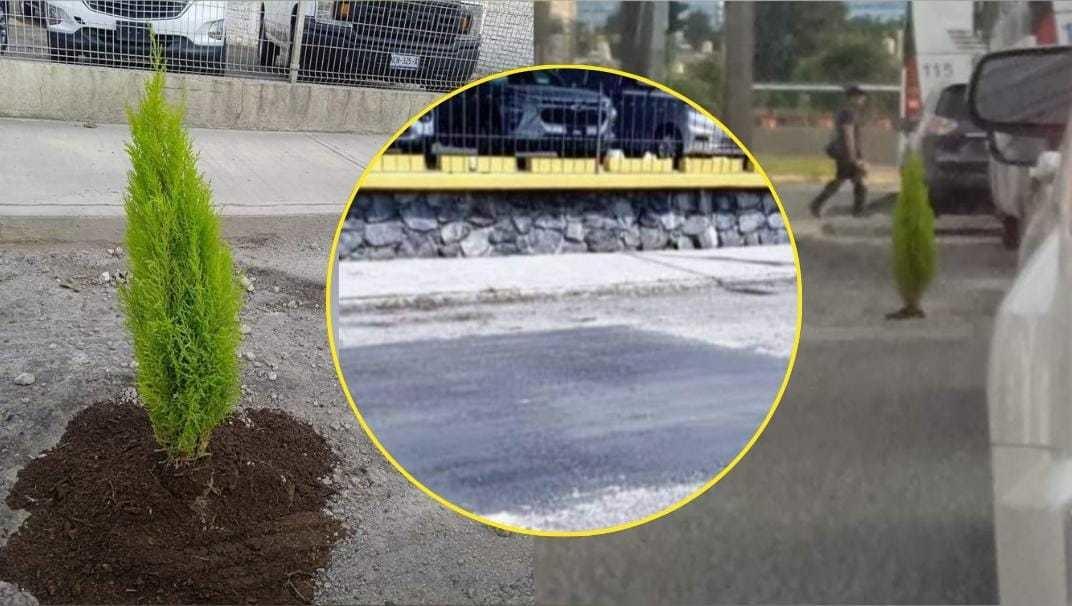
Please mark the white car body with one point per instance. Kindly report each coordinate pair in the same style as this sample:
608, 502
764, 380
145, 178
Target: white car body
1030, 405
199, 21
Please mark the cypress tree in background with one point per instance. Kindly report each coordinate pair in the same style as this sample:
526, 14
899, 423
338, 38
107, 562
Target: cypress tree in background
914, 248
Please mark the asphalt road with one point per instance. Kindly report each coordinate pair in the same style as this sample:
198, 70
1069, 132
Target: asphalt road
522, 424
871, 485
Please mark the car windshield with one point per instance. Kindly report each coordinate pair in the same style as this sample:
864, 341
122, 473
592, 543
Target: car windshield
953, 103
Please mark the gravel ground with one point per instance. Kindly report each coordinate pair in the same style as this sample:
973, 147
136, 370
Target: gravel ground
62, 324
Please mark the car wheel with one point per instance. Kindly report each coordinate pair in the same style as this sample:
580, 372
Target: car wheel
268, 52
939, 199
668, 143
1010, 236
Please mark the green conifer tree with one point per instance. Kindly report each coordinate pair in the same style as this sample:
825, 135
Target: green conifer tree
183, 299
914, 248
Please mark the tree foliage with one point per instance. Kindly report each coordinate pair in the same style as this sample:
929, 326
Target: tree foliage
914, 248
183, 300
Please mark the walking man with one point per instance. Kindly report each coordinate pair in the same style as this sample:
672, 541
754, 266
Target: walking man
846, 150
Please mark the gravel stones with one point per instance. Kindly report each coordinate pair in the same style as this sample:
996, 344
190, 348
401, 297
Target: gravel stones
422, 225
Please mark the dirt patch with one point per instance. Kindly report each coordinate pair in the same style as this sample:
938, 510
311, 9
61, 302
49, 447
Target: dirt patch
112, 521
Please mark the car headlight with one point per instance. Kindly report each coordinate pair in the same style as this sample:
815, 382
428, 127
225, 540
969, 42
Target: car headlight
472, 18
215, 29
57, 15
698, 121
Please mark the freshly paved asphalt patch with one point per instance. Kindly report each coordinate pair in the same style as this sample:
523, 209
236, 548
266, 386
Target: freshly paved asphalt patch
514, 421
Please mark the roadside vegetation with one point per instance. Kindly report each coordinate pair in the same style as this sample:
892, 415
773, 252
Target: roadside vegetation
183, 299
914, 248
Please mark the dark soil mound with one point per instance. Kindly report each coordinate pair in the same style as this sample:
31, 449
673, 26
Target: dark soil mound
113, 522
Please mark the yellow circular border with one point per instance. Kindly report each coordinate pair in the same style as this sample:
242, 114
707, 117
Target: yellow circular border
332, 262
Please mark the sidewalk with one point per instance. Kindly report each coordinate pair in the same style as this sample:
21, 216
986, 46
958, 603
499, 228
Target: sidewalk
64, 169
411, 282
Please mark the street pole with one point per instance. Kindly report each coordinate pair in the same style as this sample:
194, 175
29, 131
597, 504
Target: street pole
658, 20
740, 43
296, 43
644, 32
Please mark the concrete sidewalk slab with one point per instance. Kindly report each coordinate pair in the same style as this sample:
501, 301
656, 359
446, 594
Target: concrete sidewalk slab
63, 169
404, 282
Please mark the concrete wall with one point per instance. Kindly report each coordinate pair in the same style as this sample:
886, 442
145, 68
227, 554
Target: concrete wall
385, 225
32, 89
880, 146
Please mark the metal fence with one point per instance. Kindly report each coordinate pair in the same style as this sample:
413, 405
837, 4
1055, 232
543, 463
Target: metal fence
564, 120
428, 44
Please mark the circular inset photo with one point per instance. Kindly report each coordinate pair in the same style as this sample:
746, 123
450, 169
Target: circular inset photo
564, 301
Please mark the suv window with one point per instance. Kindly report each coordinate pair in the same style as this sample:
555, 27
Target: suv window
953, 103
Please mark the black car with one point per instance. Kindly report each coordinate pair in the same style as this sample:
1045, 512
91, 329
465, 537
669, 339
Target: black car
954, 151
528, 113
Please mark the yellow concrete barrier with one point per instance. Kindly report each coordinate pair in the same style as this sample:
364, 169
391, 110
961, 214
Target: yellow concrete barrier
477, 164
620, 164
399, 163
562, 165
443, 181
718, 164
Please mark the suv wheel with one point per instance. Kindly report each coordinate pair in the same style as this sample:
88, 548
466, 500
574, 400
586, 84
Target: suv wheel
668, 143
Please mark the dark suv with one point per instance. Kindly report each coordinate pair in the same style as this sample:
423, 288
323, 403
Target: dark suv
527, 113
954, 151
432, 43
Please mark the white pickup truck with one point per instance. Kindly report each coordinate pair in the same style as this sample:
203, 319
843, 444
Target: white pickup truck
431, 43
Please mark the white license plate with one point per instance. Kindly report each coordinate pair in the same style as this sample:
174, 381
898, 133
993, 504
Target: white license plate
399, 61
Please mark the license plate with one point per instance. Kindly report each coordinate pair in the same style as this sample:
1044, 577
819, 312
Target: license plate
400, 61
132, 33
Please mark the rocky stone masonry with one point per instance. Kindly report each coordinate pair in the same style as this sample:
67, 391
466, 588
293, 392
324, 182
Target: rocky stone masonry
386, 225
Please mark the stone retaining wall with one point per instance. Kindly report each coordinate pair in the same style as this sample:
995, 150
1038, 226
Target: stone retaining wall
384, 225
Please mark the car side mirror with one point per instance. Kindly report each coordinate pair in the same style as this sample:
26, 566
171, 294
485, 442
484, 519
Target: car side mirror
1024, 92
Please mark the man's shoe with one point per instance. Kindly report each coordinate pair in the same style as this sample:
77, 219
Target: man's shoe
816, 210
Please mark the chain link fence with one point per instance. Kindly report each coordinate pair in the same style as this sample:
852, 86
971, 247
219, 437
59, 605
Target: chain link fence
565, 120
425, 44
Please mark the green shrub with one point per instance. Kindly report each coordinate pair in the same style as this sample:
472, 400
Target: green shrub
183, 299
914, 249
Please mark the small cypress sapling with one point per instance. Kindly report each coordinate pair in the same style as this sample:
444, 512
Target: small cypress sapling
183, 299
914, 248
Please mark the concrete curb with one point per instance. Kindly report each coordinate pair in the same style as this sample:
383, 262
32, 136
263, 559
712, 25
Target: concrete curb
492, 296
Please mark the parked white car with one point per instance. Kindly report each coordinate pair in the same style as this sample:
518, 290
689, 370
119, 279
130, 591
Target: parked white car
1029, 93
433, 43
191, 33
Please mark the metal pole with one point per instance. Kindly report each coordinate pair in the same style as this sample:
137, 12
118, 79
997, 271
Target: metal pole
296, 43
740, 41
